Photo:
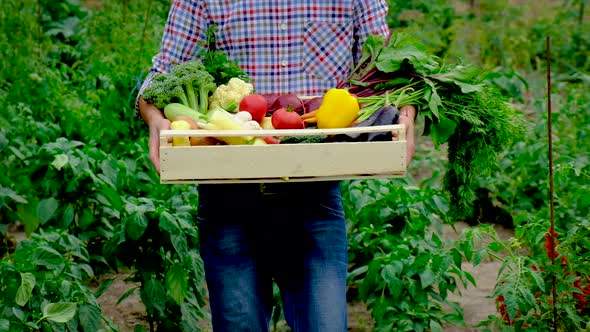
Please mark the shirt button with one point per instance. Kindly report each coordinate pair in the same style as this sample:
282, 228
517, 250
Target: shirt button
284, 63
283, 26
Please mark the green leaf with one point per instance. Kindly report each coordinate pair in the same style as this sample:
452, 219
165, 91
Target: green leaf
114, 197
136, 225
180, 244
60, 161
461, 76
538, 277
389, 274
127, 294
104, 286
427, 277
153, 296
67, 216
29, 216
404, 49
60, 312
435, 326
7, 192
495, 246
190, 316
25, 290
168, 223
372, 47
18, 313
4, 325
86, 219
47, 208
47, 257
140, 328
177, 283
90, 317
434, 101
198, 267
443, 130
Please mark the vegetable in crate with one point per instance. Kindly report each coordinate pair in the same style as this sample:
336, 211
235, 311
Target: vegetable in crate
287, 101
220, 119
256, 105
228, 96
338, 109
458, 106
186, 88
180, 140
305, 139
386, 115
286, 118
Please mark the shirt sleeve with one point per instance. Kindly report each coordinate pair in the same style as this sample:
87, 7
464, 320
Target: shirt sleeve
369, 19
185, 34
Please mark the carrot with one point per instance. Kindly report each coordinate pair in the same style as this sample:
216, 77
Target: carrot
311, 120
309, 115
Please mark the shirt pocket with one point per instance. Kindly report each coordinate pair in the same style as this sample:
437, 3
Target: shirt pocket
327, 47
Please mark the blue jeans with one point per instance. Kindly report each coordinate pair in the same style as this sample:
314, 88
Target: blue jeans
293, 233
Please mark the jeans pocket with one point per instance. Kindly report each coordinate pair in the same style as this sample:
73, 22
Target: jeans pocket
328, 49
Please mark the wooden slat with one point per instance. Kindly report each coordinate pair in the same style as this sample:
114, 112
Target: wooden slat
283, 132
284, 180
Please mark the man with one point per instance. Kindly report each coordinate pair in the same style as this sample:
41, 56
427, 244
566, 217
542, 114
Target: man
292, 233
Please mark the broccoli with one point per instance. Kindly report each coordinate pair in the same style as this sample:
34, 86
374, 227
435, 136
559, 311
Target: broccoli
188, 83
304, 139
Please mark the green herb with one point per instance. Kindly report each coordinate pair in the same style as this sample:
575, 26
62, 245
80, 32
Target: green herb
217, 63
458, 106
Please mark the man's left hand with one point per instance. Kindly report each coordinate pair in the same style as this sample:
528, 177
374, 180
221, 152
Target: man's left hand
406, 118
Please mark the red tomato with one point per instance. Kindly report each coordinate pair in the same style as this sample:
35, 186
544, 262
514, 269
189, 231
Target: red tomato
256, 105
286, 119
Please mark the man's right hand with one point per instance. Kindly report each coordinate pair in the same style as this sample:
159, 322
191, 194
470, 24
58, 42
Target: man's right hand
156, 122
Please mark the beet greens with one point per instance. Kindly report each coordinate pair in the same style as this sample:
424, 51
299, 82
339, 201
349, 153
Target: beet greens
457, 105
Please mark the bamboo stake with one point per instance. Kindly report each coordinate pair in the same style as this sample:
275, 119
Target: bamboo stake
581, 12
144, 32
551, 183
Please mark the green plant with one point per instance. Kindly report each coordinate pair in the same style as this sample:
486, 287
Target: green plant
402, 268
524, 291
42, 286
159, 242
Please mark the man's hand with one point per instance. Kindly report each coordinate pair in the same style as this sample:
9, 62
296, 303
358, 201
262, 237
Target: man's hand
156, 123
406, 118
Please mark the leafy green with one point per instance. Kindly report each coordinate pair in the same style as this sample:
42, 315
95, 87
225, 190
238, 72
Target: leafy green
216, 62
458, 106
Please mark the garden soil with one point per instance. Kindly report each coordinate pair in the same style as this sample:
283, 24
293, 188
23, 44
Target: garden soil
476, 301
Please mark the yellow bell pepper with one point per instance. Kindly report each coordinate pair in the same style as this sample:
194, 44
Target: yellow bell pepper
339, 109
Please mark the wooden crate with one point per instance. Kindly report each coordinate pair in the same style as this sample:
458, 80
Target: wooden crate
282, 162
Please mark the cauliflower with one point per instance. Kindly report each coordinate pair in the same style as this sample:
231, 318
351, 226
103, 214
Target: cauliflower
229, 96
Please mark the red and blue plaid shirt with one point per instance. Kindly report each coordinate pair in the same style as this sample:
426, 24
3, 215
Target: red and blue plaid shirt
300, 46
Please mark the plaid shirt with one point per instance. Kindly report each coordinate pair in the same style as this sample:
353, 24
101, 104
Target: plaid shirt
303, 47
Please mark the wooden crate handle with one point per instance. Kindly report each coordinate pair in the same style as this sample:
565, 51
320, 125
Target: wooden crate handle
400, 129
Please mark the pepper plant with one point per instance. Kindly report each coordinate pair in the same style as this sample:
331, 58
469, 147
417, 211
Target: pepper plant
402, 268
42, 286
158, 241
